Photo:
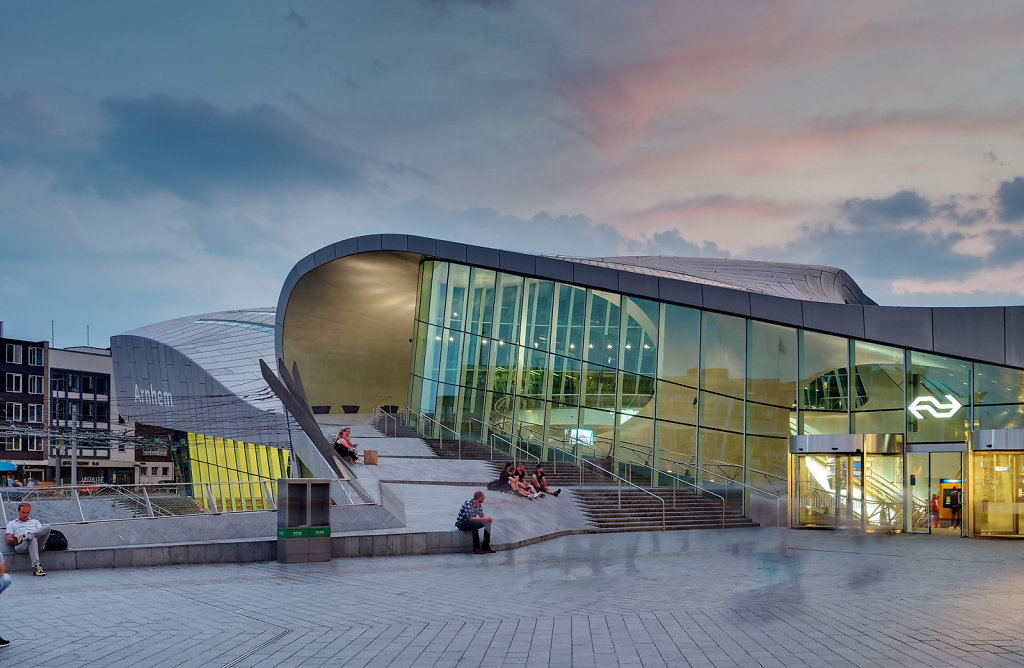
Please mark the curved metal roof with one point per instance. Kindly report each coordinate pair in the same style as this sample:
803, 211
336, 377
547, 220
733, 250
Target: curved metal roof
793, 281
227, 345
824, 299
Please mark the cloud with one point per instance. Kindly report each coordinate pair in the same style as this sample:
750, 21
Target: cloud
195, 150
485, 4
904, 206
1010, 200
296, 18
29, 129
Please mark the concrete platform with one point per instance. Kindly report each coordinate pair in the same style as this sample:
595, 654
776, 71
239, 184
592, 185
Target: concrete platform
749, 598
431, 489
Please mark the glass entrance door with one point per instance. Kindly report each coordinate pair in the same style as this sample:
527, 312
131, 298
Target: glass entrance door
823, 490
883, 493
920, 513
998, 493
848, 491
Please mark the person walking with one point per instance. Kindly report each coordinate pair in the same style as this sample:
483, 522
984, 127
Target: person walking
955, 507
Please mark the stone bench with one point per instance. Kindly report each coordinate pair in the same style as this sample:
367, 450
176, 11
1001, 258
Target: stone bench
241, 550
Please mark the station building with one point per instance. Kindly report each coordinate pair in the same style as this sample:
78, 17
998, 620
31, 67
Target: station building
785, 378
196, 381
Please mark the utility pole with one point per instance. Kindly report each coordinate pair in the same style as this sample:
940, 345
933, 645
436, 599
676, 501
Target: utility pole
74, 454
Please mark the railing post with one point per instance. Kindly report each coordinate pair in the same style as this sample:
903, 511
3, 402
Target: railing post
620, 493
78, 501
149, 505
209, 498
270, 496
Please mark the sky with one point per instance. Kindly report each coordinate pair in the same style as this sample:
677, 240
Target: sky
165, 159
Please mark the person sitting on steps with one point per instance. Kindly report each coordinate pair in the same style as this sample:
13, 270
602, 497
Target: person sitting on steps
345, 447
522, 485
540, 484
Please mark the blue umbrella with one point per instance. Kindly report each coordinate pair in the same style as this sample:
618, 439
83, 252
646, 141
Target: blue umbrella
7, 466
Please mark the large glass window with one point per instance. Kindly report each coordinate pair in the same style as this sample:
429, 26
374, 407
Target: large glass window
824, 383
877, 389
603, 328
565, 380
481, 301
450, 351
639, 352
771, 379
458, 287
506, 307
998, 397
503, 366
938, 395
722, 371
536, 319
532, 372
475, 355
569, 318
438, 292
599, 387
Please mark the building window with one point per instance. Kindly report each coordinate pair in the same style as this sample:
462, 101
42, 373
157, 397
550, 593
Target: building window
103, 384
164, 471
88, 383
13, 411
14, 382
35, 356
12, 443
74, 382
35, 412
35, 444
13, 353
35, 384
153, 470
57, 380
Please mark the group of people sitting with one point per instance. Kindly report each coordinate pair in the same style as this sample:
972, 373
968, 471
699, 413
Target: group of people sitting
514, 479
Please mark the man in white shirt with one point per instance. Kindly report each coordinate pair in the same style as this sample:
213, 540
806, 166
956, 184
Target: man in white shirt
28, 535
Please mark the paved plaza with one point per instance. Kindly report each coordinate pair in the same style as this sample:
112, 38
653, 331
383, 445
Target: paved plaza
747, 597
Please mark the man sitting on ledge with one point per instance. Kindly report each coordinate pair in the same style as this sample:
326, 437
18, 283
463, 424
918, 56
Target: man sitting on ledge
471, 518
28, 535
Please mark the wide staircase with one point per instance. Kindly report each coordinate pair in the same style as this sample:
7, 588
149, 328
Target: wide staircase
606, 505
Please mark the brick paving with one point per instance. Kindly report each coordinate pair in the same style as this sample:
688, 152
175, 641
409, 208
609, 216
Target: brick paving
746, 597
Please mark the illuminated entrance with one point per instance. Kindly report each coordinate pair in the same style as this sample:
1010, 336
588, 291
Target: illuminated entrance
847, 481
997, 483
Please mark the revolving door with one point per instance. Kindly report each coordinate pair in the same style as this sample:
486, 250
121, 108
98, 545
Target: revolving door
847, 481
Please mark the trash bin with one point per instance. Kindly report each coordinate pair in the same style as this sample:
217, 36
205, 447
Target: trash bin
303, 520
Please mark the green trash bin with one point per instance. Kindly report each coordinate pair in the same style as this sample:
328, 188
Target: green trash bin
303, 520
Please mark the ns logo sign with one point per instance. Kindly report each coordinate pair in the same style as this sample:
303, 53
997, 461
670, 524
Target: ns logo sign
932, 406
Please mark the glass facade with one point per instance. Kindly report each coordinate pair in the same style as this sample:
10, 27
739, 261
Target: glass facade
633, 380
239, 468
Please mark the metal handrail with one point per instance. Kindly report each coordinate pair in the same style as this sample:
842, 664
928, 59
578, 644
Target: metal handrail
512, 446
677, 478
379, 412
508, 440
458, 437
730, 481
580, 462
140, 499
